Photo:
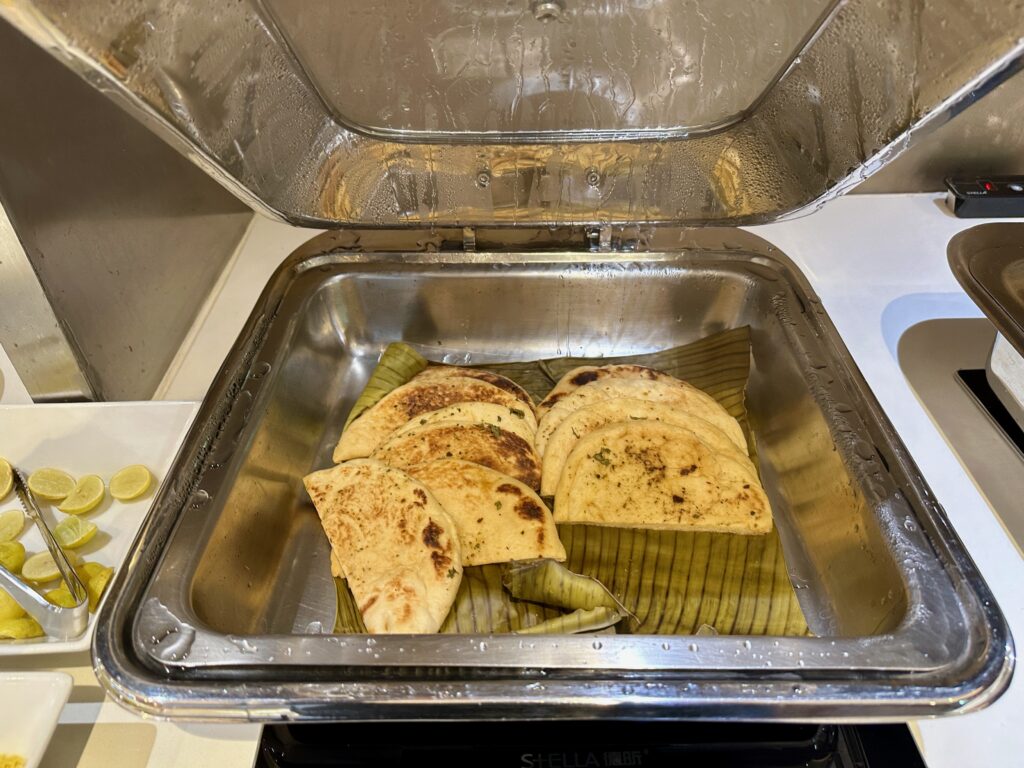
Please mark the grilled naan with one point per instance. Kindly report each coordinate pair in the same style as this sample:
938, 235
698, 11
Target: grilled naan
587, 374
499, 519
373, 426
516, 420
675, 393
484, 444
437, 372
645, 474
582, 422
395, 543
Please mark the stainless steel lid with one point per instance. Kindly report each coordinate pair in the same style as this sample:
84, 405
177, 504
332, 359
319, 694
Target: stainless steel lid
496, 112
988, 261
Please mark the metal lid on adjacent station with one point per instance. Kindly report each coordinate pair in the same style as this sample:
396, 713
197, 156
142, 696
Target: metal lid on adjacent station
988, 262
542, 112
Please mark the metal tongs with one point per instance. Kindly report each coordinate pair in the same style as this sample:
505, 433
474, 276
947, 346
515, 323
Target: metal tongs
57, 622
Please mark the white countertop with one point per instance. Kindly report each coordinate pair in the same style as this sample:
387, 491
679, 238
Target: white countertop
878, 262
879, 265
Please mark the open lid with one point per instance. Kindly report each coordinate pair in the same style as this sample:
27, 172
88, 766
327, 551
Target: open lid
450, 112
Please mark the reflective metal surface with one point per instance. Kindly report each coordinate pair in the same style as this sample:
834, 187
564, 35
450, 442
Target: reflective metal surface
40, 350
930, 354
988, 261
209, 619
257, 108
578, 70
985, 140
122, 237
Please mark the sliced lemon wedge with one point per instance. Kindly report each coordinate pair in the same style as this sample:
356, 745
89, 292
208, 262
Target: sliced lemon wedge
51, 484
9, 608
97, 586
87, 570
20, 629
131, 482
73, 532
40, 568
12, 555
85, 497
6, 478
11, 523
61, 596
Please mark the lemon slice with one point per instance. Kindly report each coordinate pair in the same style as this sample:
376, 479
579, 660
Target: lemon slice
12, 555
40, 568
85, 497
72, 532
86, 571
6, 478
51, 484
11, 523
9, 608
130, 483
61, 596
20, 629
97, 585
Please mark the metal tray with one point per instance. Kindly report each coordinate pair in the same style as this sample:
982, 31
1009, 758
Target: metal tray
208, 620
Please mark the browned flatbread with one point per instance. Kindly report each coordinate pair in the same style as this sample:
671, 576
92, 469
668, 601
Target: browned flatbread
646, 474
436, 372
397, 546
499, 519
511, 419
586, 374
483, 444
583, 421
674, 392
373, 426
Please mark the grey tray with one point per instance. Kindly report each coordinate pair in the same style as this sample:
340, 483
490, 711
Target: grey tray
215, 615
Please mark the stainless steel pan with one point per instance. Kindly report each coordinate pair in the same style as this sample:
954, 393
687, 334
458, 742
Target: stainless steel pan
210, 619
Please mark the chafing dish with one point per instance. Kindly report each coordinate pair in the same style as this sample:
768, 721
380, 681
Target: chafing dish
210, 619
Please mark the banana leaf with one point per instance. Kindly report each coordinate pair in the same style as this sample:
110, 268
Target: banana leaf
668, 582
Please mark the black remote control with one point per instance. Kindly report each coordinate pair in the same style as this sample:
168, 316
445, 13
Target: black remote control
985, 197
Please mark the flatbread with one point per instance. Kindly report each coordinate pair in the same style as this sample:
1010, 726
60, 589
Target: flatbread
519, 421
582, 422
675, 393
397, 546
645, 474
374, 425
587, 374
499, 519
483, 444
436, 372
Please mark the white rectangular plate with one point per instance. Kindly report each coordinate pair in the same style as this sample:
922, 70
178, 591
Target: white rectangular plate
30, 703
82, 439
